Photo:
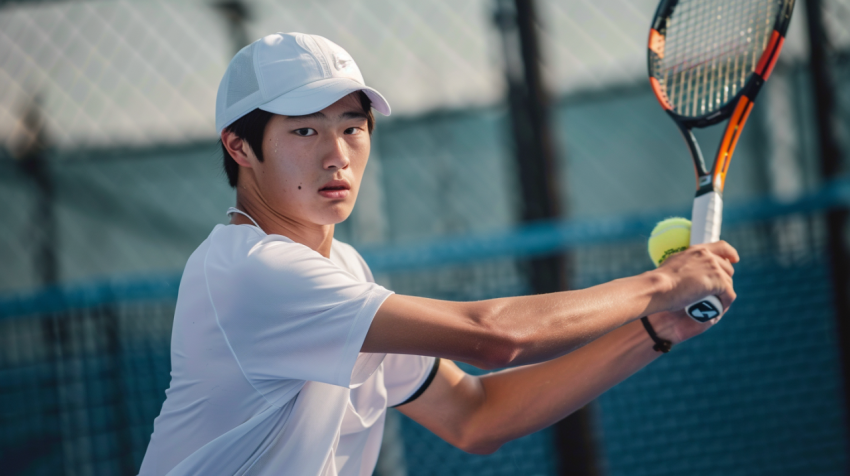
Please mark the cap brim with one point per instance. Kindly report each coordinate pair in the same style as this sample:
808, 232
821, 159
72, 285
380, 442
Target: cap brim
315, 96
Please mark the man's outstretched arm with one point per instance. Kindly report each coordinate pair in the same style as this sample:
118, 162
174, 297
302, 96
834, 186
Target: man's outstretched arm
515, 331
479, 414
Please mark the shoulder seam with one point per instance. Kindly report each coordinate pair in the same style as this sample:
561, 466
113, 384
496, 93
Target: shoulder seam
221, 329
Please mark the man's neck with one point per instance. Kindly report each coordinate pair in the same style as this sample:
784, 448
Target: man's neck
315, 237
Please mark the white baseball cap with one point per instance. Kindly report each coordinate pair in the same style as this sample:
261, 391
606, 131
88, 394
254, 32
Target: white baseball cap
291, 74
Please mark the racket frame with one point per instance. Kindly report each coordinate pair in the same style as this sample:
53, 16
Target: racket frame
707, 213
737, 109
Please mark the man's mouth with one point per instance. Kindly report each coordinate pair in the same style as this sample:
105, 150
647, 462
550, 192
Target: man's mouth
335, 189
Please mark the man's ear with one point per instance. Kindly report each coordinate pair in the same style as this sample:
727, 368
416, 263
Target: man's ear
237, 148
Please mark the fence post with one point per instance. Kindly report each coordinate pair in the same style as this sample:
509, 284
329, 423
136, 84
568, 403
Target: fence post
32, 159
830, 167
236, 13
535, 154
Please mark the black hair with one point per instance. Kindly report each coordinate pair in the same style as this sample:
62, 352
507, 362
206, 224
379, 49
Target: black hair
252, 128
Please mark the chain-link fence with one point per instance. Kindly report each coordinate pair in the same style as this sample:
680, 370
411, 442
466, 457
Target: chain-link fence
111, 177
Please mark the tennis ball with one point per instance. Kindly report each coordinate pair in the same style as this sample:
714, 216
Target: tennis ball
669, 236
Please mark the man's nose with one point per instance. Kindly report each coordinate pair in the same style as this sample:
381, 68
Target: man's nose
337, 155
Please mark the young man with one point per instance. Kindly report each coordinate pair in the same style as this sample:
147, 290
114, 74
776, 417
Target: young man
286, 354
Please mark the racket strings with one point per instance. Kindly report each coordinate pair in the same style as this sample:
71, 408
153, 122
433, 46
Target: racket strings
710, 50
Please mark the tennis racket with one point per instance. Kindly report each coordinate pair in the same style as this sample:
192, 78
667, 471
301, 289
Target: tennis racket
708, 59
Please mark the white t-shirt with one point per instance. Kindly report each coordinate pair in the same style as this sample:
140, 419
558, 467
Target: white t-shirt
267, 377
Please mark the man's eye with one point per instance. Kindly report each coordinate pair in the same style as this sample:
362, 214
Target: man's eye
304, 132
352, 130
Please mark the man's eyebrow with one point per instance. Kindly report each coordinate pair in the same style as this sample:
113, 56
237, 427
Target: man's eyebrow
353, 115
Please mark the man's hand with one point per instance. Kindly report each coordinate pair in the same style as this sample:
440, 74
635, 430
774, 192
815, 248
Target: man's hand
695, 273
677, 326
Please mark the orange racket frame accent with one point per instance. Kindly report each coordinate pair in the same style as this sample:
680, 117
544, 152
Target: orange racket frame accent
657, 42
730, 140
742, 112
770, 55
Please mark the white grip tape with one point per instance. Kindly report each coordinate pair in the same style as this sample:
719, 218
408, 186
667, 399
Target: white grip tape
706, 218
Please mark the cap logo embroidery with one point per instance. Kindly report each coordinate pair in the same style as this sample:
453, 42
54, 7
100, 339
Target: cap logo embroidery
342, 63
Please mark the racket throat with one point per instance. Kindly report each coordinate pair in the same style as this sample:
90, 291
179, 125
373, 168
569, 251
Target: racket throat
696, 152
706, 218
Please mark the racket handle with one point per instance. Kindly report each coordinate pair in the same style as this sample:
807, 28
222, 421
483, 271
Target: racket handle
706, 218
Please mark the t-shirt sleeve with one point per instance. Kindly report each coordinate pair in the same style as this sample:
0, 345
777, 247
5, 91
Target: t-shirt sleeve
407, 376
289, 313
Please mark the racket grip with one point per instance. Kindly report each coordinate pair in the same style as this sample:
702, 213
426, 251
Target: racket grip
706, 219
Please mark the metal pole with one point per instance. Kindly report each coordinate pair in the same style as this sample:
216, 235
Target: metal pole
533, 144
32, 160
31, 155
830, 167
535, 153
236, 13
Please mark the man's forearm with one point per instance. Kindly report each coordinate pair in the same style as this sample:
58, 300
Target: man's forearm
520, 401
548, 326
513, 331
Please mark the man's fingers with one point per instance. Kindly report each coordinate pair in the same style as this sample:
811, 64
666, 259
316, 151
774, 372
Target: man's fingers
724, 250
727, 266
728, 296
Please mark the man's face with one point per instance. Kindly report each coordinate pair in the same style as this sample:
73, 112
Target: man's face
313, 164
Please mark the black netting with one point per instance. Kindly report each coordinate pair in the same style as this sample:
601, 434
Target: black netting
80, 389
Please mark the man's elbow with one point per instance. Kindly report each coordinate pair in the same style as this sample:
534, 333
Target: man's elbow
498, 345
499, 352
481, 449
476, 443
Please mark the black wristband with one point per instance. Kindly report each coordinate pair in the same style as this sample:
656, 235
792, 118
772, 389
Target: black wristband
661, 345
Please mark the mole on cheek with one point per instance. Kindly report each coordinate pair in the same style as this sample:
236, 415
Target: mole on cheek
299, 187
